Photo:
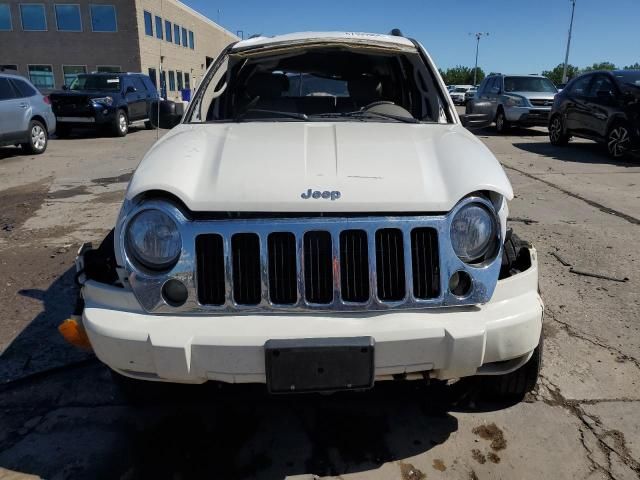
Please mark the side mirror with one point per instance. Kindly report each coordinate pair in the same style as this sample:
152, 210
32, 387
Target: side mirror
475, 120
166, 114
64, 87
130, 89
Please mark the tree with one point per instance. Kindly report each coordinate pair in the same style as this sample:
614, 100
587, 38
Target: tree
600, 66
555, 75
635, 66
460, 75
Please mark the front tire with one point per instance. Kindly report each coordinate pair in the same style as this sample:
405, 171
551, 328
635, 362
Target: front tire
619, 141
502, 125
121, 124
515, 385
557, 134
38, 138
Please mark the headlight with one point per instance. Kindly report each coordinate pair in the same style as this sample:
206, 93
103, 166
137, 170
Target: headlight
474, 233
153, 240
513, 101
103, 100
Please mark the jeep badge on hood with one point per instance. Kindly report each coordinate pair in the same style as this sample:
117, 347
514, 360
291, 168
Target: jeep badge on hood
333, 195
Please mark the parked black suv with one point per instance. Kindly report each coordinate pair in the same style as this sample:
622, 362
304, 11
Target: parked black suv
111, 100
601, 106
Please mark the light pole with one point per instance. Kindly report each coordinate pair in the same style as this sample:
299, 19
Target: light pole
566, 57
478, 36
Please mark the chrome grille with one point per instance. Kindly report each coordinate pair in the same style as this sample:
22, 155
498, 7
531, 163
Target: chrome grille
298, 264
320, 261
541, 102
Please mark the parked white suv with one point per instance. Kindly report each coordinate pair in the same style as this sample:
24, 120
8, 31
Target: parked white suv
319, 220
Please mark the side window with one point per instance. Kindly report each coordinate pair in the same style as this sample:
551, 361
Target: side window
602, 84
6, 90
580, 86
139, 84
23, 89
126, 83
490, 83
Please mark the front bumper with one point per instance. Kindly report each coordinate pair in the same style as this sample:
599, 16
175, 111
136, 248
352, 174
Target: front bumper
532, 116
92, 116
445, 342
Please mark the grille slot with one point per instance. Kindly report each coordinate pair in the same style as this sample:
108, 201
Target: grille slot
390, 265
424, 262
210, 269
318, 267
354, 266
283, 287
245, 252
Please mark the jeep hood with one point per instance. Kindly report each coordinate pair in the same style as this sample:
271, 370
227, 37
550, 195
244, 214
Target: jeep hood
267, 166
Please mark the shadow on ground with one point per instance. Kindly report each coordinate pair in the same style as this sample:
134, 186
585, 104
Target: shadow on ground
578, 152
62, 416
512, 132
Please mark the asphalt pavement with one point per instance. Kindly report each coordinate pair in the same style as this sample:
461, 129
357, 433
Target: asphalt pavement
61, 416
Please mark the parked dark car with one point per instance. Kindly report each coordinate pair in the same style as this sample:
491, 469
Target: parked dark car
601, 106
109, 100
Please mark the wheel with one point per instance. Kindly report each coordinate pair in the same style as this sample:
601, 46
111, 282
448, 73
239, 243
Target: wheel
121, 124
557, 135
63, 131
618, 140
501, 122
515, 385
38, 138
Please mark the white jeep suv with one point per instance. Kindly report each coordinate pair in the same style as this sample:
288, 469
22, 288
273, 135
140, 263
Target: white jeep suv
319, 220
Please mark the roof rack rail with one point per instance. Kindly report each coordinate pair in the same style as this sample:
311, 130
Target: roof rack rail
396, 32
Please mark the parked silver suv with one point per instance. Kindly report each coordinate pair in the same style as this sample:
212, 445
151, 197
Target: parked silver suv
26, 118
511, 100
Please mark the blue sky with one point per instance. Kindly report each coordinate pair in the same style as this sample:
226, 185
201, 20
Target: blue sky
526, 36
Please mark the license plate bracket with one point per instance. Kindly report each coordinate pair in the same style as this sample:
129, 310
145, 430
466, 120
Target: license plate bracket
319, 364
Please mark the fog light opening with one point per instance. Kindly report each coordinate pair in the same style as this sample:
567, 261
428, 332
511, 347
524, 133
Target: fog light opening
174, 293
460, 284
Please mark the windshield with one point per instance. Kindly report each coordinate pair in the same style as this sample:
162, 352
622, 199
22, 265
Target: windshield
320, 83
630, 77
96, 82
529, 84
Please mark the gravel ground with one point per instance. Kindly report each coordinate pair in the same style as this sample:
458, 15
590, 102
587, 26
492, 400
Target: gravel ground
61, 416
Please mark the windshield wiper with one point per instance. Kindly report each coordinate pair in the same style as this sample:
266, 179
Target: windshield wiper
365, 114
299, 116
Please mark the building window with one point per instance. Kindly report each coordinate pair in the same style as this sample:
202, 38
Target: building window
9, 66
152, 76
184, 37
148, 26
176, 34
71, 72
179, 77
33, 17
172, 81
68, 18
5, 18
192, 43
108, 68
163, 84
167, 31
159, 27
41, 76
187, 81
103, 18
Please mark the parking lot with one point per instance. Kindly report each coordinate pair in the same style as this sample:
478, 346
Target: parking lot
61, 417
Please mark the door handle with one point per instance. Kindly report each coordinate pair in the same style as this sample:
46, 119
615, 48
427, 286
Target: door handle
23, 105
